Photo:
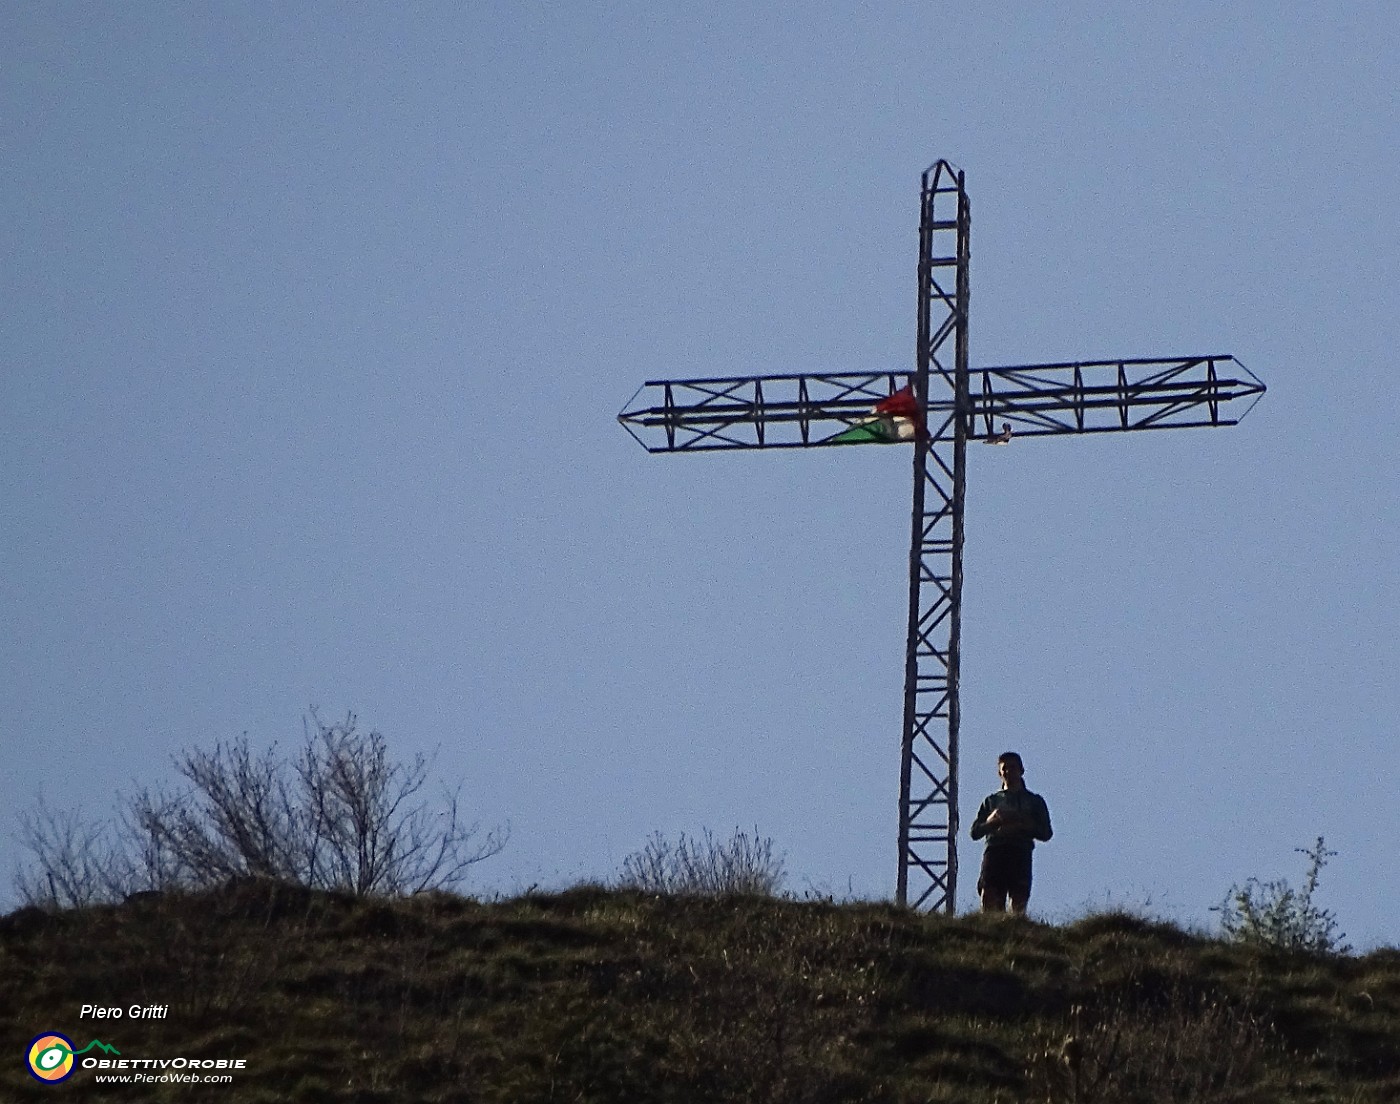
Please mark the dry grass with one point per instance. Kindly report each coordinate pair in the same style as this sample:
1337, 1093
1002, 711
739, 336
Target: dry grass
598, 995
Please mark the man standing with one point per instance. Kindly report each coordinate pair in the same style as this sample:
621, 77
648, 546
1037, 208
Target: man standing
1012, 819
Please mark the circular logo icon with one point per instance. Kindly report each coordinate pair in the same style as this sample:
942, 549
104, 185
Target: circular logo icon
51, 1057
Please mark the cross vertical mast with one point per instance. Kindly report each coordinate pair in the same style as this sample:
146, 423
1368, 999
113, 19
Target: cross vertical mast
928, 773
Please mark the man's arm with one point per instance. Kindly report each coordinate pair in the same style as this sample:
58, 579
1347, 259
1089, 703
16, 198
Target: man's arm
1041, 829
979, 823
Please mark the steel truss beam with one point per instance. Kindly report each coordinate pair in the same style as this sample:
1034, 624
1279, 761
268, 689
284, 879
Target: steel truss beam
753, 412
811, 411
1111, 395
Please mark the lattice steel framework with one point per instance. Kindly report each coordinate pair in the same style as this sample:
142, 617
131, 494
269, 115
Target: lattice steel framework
928, 761
784, 412
955, 405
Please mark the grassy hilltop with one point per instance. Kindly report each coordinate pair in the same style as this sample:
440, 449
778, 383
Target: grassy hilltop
596, 995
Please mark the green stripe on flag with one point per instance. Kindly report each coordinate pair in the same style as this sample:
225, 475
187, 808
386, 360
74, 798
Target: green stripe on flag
874, 432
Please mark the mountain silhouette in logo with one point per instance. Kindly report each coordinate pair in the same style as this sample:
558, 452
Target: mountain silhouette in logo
100, 1045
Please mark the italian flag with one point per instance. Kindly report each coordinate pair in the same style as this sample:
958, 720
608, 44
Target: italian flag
891, 421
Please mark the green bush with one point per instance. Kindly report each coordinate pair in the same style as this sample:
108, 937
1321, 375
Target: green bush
1274, 914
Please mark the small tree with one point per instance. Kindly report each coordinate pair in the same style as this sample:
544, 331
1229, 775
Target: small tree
343, 815
705, 867
1274, 914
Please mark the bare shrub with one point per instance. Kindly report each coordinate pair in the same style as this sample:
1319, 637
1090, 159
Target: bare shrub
365, 830
240, 819
705, 866
76, 863
342, 815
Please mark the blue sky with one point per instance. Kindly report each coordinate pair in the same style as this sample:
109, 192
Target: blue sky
316, 319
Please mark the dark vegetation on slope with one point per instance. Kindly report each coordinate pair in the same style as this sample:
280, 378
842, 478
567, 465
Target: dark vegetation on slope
600, 995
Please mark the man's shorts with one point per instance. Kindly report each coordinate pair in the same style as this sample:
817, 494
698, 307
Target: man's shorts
1006, 869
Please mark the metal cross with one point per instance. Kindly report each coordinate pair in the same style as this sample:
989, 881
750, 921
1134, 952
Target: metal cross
937, 408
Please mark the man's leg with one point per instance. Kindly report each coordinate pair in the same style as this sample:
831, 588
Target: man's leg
1021, 886
994, 898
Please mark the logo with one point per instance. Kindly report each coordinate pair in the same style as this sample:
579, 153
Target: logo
51, 1056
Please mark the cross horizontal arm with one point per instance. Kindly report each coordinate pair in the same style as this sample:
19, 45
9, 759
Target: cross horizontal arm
797, 411
1110, 395
810, 411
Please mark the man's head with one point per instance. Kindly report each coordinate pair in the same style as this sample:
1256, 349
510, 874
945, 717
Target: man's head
1010, 768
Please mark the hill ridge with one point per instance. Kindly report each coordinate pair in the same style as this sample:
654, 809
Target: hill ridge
604, 995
